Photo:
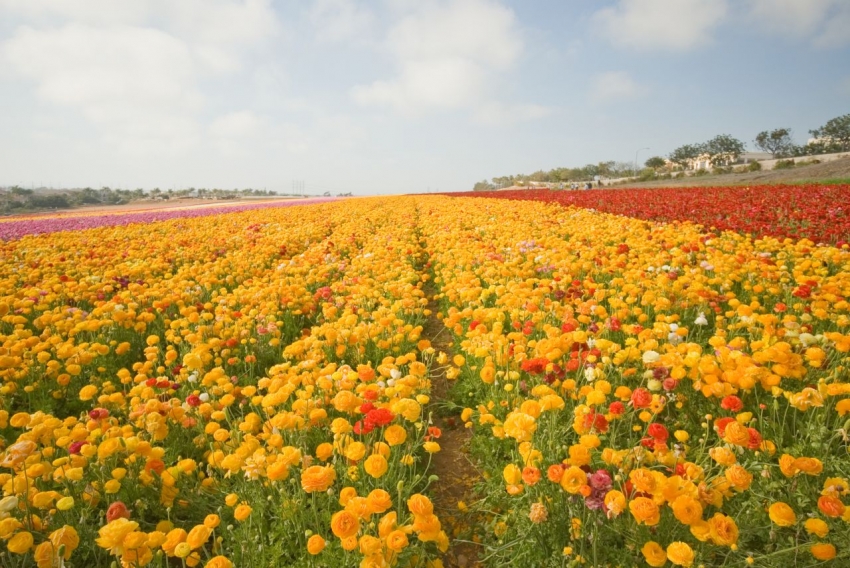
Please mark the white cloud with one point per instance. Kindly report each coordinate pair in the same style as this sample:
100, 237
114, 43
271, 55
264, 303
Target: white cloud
798, 18
340, 20
615, 85
660, 24
500, 114
824, 22
133, 68
449, 56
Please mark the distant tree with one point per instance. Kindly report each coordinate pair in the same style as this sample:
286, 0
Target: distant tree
683, 155
724, 149
778, 142
655, 162
836, 131
483, 186
539, 175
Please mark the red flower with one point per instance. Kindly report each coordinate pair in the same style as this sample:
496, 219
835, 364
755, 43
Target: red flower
732, 403
658, 432
535, 366
641, 398
379, 417
755, 439
596, 421
721, 423
617, 408
117, 510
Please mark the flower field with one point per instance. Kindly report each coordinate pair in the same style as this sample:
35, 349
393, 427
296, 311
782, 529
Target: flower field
818, 212
253, 388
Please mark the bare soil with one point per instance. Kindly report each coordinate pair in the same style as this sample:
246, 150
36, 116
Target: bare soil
451, 464
836, 169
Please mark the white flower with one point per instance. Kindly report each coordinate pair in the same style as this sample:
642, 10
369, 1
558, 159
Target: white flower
205, 397
395, 373
807, 339
701, 319
381, 384
193, 378
589, 374
674, 326
674, 338
650, 356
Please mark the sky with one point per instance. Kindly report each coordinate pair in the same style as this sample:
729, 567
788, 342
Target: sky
397, 96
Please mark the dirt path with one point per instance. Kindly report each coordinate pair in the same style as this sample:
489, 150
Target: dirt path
451, 464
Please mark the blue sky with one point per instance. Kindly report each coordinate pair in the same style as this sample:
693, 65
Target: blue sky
392, 96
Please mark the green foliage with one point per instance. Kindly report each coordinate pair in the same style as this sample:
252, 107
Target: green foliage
483, 185
784, 165
655, 162
778, 142
836, 132
754, 167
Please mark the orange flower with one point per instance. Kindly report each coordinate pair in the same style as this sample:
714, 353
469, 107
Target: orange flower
680, 554
831, 506
530, 475
809, 466
345, 524
315, 544
781, 514
573, 480
654, 554
317, 478
645, 511
420, 505
723, 530
686, 509
242, 512
379, 501
376, 465
823, 551
397, 540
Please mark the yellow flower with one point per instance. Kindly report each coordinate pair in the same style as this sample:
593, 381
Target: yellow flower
823, 551
242, 512
680, 554
686, 509
21, 543
573, 480
420, 505
781, 514
645, 511
345, 524
397, 540
378, 501
315, 544
198, 536
431, 447
219, 562
816, 527
654, 554
112, 535
317, 478
172, 539
520, 426
376, 465
723, 531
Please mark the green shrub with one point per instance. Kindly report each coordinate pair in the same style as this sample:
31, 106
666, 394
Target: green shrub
754, 167
702, 172
784, 165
